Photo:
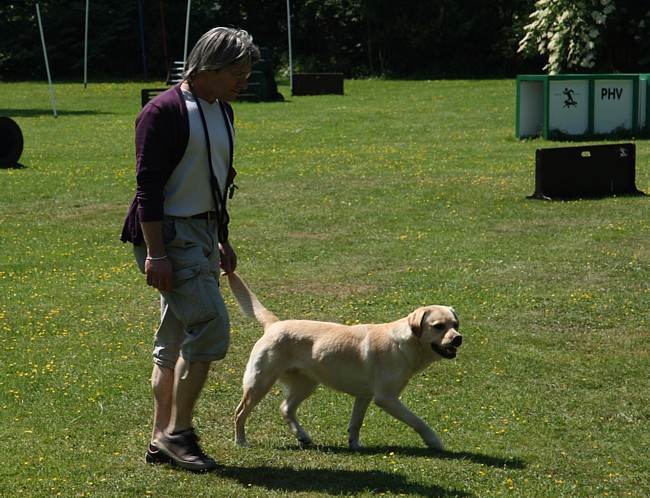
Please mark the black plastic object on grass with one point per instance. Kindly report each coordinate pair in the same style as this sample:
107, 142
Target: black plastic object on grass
585, 171
11, 143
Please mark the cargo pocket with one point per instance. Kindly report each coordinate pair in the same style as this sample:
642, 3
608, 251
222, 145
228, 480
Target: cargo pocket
194, 298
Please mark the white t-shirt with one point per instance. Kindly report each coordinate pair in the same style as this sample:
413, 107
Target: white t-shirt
187, 191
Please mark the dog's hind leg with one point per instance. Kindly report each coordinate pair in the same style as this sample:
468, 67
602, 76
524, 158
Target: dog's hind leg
356, 421
253, 394
298, 388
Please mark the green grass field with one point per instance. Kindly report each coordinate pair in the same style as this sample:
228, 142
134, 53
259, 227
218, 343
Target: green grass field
355, 208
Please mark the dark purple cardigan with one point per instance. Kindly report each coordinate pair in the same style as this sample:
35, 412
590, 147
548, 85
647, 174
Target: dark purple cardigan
162, 132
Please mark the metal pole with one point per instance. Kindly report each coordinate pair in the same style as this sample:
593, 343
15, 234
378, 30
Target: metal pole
86, 46
187, 31
142, 44
164, 36
290, 48
47, 64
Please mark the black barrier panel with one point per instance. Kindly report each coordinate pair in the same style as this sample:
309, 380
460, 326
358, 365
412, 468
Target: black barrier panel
317, 84
11, 143
146, 94
585, 171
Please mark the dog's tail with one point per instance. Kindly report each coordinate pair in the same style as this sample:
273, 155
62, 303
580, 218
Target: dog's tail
248, 302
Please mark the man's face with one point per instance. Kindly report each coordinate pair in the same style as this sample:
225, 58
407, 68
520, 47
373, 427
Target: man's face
226, 83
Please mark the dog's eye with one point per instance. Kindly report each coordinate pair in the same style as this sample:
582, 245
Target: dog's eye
439, 326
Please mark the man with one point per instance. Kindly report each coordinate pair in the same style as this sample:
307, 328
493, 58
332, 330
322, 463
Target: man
178, 224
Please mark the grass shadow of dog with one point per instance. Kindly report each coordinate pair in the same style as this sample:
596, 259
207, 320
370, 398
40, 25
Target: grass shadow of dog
332, 482
479, 458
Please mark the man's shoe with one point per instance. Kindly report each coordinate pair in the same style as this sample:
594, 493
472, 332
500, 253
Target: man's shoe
184, 451
154, 456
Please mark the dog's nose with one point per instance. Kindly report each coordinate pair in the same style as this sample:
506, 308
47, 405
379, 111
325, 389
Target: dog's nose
457, 341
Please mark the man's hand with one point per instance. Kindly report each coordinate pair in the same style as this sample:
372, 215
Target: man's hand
157, 267
228, 258
159, 273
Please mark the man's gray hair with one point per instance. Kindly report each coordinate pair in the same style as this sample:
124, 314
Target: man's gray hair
221, 47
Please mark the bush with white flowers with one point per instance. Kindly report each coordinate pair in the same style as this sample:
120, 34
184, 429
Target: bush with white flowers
568, 32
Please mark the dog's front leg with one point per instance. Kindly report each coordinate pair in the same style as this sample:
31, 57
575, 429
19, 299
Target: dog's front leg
356, 421
396, 408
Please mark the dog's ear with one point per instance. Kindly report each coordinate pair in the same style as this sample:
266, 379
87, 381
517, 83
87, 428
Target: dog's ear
415, 321
453, 311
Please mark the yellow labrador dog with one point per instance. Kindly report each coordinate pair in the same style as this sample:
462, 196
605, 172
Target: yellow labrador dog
366, 361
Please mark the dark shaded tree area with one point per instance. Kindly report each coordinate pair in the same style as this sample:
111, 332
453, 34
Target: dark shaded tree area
445, 38
425, 38
114, 41
626, 44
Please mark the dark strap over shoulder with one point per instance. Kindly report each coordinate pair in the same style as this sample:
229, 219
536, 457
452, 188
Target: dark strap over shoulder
220, 200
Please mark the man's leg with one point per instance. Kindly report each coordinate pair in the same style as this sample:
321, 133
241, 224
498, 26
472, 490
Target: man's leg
162, 384
179, 441
189, 378
179, 390
166, 350
197, 304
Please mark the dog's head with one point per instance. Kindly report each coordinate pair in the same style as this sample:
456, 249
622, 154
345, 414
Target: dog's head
437, 327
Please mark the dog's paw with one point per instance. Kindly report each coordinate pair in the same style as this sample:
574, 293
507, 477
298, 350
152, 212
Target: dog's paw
243, 443
436, 445
305, 440
302, 436
356, 446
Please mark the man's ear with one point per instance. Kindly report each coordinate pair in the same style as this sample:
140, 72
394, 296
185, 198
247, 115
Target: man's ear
415, 321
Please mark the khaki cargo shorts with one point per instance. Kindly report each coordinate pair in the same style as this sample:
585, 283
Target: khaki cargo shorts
194, 319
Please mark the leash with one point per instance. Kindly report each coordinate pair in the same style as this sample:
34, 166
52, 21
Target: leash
218, 198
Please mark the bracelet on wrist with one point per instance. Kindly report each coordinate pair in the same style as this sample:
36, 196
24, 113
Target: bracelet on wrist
149, 258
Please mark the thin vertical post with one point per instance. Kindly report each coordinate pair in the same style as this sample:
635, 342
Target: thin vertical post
290, 47
142, 44
47, 64
86, 46
164, 36
187, 31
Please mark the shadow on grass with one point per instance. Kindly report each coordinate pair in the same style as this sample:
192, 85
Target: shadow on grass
331, 481
491, 461
35, 113
488, 460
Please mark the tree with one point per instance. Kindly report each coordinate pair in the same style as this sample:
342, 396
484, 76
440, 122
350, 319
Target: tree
20, 48
588, 35
419, 38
